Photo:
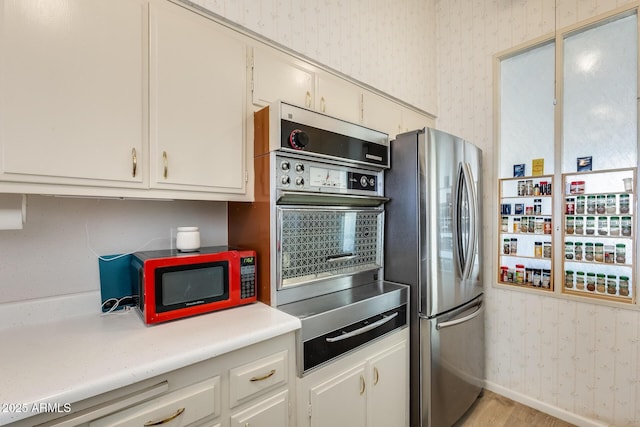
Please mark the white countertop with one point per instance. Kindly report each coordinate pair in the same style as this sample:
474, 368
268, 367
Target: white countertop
79, 357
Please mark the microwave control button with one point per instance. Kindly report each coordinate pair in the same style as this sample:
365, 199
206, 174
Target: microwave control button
299, 181
372, 182
298, 139
284, 165
299, 167
285, 180
364, 181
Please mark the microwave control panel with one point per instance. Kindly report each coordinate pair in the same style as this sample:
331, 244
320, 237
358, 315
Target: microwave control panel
247, 277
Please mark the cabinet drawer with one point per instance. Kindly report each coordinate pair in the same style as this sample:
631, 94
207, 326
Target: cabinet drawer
181, 407
257, 376
271, 412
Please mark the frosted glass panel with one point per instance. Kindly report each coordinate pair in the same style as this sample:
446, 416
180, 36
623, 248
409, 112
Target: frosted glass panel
526, 110
600, 86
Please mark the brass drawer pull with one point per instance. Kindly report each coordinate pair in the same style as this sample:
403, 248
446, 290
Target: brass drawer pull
264, 377
166, 420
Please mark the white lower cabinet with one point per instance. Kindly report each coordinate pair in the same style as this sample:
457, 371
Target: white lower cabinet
270, 412
366, 388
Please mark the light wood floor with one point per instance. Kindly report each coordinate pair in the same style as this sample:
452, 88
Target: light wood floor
495, 410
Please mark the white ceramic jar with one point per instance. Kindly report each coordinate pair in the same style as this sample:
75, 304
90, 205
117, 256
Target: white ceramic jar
188, 239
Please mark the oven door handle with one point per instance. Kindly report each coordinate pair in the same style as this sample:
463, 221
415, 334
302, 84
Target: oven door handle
341, 257
364, 329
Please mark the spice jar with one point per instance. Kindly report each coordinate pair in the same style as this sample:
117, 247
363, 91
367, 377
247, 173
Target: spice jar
536, 190
539, 225
520, 274
614, 226
537, 249
603, 225
570, 205
591, 282
609, 254
531, 224
590, 226
528, 276
624, 203
611, 203
600, 282
529, 187
580, 280
547, 226
546, 279
625, 226
624, 286
598, 252
621, 256
577, 251
580, 204
568, 250
546, 249
601, 204
505, 224
569, 225
579, 229
516, 225
524, 224
504, 273
588, 251
537, 206
537, 278
568, 279
611, 284
521, 188
506, 247
591, 204
514, 246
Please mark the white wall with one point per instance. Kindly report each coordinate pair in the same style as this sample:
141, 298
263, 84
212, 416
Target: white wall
53, 254
548, 352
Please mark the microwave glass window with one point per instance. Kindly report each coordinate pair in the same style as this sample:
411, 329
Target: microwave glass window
185, 286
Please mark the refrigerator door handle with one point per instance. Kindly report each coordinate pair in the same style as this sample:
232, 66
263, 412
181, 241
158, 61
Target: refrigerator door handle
473, 225
462, 319
464, 250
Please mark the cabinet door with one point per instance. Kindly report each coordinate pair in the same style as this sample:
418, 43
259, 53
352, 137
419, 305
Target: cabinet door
270, 412
381, 114
341, 400
339, 98
412, 120
72, 91
198, 81
277, 77
388, 387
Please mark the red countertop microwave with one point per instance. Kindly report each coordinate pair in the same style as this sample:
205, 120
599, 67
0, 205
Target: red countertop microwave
173, 285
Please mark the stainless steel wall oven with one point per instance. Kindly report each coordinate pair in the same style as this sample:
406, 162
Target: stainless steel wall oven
317, 226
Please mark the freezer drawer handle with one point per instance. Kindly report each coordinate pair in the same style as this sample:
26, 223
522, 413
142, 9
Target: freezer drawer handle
364, 329
461, 320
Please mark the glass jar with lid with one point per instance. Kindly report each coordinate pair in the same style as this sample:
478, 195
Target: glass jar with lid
568, 250
612, 284
624, 286
621, 253
547, 226
598, 252
581, 204
591, 204
569, 225
625, 226
614, 226
520, 274
506, 247
539, 227
624, 203
546, 278
570, 205
505, 224
611, 203
537, 206
601, 283
531, 224
601, 204
579, 223
577, 251
591, 282
546, 249
516, 224
537, 249
524, 224
568, 279
609, 254
590, 227
603, 225
588, 251
580, 280
514, 246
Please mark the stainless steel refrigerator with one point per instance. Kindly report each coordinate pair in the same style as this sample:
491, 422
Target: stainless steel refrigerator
433, 230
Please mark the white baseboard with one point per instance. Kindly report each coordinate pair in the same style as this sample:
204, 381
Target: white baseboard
547, 408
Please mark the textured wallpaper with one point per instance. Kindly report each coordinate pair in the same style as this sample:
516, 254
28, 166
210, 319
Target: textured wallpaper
389, 45
579, 357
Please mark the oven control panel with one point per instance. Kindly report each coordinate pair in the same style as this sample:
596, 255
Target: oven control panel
297, 173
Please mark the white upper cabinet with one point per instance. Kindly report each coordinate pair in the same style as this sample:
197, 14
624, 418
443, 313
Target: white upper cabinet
338, 98
73, 91
277, 76
381, 114
197, 102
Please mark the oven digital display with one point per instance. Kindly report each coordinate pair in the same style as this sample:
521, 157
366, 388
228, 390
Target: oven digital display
322, 177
